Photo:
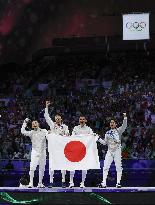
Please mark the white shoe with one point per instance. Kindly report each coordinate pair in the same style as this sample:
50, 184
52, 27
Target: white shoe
40, 185
71, 185
23, 186
82, 185
30, 185
118, 185
102, 185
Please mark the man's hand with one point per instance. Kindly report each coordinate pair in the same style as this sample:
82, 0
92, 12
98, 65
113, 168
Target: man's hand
95, 134
47, 104
26, 120
124, 114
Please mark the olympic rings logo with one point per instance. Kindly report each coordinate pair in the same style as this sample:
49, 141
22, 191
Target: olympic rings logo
135, 26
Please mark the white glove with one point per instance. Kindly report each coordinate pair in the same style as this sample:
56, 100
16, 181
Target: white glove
26, 120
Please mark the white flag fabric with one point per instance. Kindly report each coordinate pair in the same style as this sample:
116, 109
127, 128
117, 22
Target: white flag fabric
136, 26
73, 152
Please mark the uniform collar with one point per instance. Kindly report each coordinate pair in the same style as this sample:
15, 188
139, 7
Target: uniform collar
39, 129
59, 125
113, 130
82, 126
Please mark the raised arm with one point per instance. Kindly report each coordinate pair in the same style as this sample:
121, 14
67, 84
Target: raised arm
47, 117
124, 125
24, 131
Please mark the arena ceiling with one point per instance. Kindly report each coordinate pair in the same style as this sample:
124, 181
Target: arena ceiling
29, 25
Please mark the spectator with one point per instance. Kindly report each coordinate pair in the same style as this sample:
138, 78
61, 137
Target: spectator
83, 84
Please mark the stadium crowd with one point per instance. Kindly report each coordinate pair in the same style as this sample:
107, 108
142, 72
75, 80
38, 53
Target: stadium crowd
94, 86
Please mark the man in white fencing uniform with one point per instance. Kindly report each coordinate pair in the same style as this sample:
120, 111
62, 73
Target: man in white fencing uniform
59, 128
38, 153
81, 129
113, 141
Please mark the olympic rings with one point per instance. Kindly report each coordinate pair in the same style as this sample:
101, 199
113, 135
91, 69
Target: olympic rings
135, 26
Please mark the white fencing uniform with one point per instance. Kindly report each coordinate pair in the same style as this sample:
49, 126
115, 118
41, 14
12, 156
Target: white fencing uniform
80, 130
38, 153
59, 130
113, 141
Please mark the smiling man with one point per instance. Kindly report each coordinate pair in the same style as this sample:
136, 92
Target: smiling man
38, 153
81, 129
113, 141
58, 128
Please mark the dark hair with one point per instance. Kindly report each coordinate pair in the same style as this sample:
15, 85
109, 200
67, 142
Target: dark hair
82, 116
114, 119
35, 121
39, 123
58, 115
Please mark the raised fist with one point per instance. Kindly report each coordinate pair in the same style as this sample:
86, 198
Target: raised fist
47, 103
27, 120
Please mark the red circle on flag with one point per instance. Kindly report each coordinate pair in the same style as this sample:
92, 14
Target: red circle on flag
75, 151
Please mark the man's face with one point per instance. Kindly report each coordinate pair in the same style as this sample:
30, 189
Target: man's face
82, 121
113, 124
58, 119
35, 125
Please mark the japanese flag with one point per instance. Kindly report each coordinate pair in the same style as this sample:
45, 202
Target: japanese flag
73, 153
